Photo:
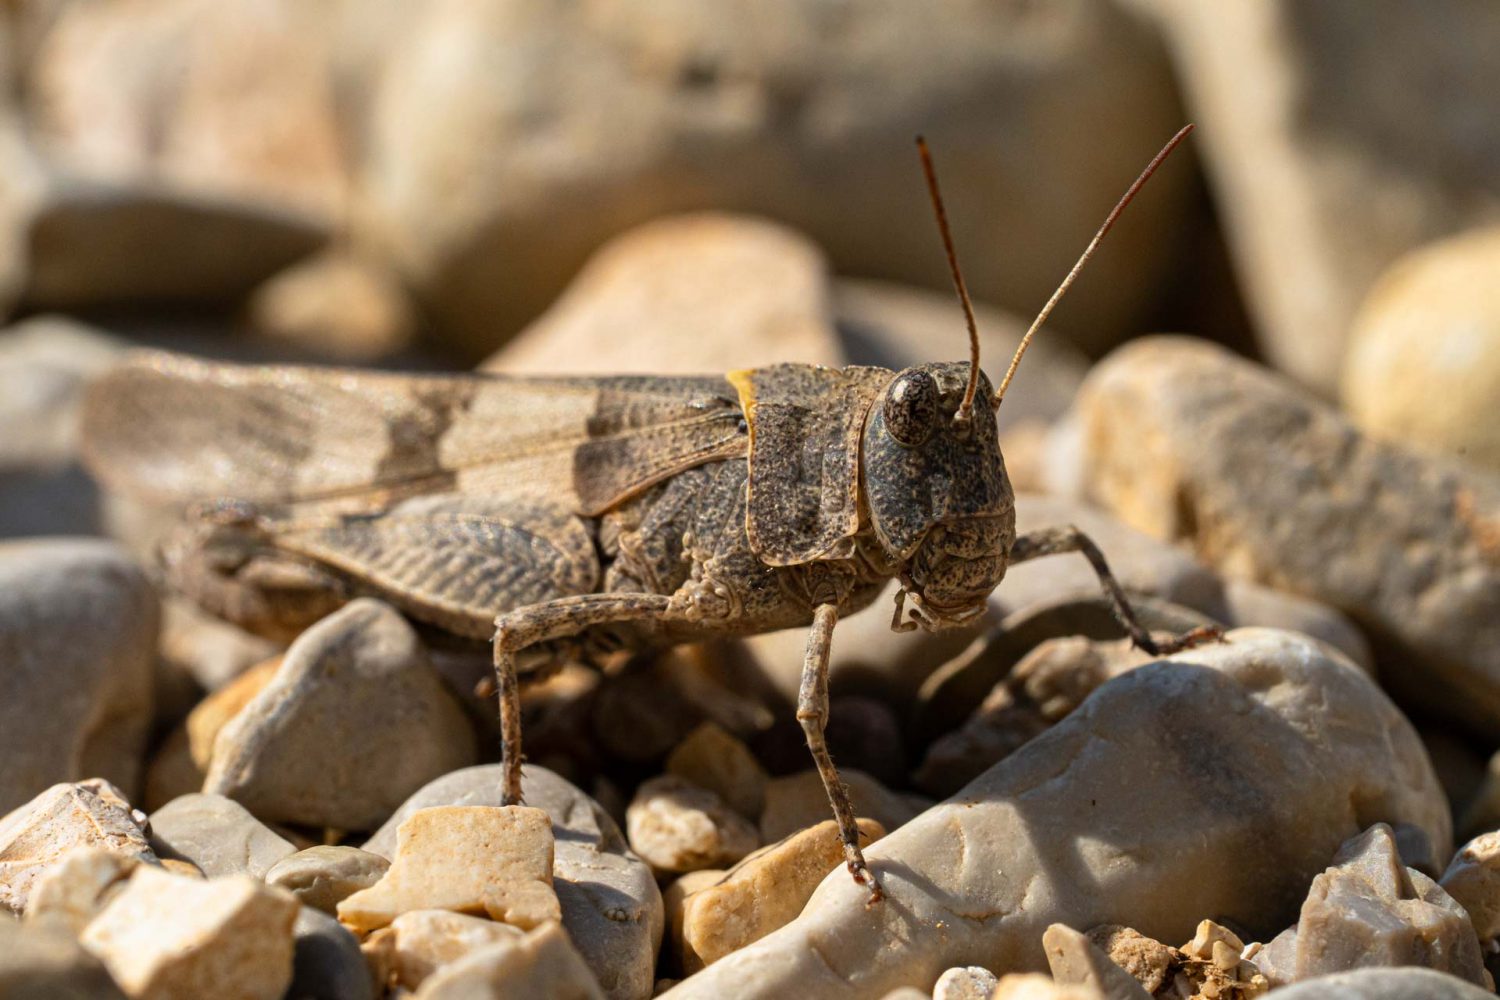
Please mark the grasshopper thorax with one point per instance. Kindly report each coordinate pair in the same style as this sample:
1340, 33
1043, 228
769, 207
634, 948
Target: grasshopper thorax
938, 500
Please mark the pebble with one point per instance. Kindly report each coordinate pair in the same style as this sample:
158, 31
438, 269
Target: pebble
470, 859
1075, 960
167, 937
60, 820
210, 651
1190, 443
1249, 604
1070, 829
44, 961
1149, 962
611, 906
209, 716
679, 112
1311, 223
75, 888
341, 305
969, 982
419, 942
1422, 366
78, 624
715, 760
677, 826
763, 892
321, 877
797, 802
354, 721
540, 965
1384, 984
326, 960
707, 292
218, 835
1032, 986
1369, 909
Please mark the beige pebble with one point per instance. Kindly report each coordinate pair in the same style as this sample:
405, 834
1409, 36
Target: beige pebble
799, 801
713, 759
969, 982
540, 965
495, 860
1473, 878
1033, 986
321, 877
168, 937
76, 888
64, 817
761, 893
677, 826
419, 942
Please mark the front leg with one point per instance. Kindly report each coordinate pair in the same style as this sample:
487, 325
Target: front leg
1056, 541
556, 619
812, 713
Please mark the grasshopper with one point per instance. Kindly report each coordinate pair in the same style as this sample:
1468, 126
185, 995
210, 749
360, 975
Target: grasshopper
581, 516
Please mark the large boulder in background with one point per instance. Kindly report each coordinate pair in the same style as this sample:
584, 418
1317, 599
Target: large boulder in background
1338, 134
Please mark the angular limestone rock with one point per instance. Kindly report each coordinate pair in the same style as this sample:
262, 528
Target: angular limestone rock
469, 859
218, 835
1369, 909
321, 877
713, 759
354, 721
166, 937
1473, 880
761, 893
611, 907
76, 888
540, 965
1190, 443
1077, 961
419, 942
679, 827
1267, 751
61, 819
1150, 963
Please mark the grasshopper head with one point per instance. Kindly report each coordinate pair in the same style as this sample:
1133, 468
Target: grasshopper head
938, 498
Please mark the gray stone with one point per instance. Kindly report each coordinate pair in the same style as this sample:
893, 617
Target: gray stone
1369, 909
1142, 564
678, 111
1332, 165
1248, 604
1190, 443
1264, 752
218, 835
354, 721
322, 876
1384, 984
611, 906
326, 961
46, 962
78, 625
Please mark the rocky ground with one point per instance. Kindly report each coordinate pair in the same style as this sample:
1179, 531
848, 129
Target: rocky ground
1308, 809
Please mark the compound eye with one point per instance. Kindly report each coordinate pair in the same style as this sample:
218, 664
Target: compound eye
911, 407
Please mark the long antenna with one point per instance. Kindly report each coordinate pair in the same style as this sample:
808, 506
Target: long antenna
1087, 253
965, 408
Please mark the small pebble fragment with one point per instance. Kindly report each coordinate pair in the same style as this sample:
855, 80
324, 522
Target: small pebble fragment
677, 826
540, 965
419, 942
1075, 960
64, 817
761, 893
713, 759
167, 937
322, 877
218, 835
970, 982
495, 860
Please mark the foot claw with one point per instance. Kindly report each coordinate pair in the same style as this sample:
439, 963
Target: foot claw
864, 876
